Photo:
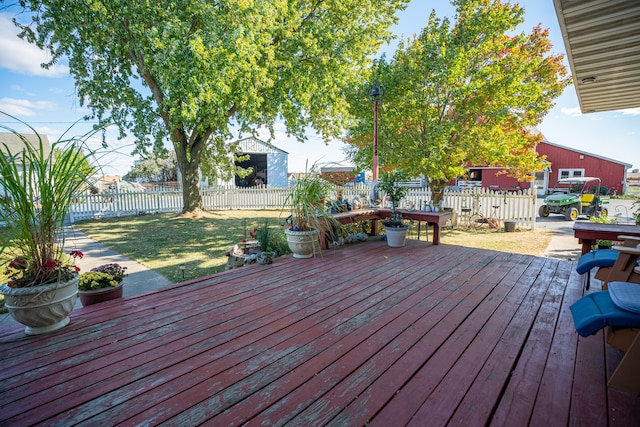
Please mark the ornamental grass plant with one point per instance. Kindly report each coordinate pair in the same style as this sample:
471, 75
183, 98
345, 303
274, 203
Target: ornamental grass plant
307, 204
36, 187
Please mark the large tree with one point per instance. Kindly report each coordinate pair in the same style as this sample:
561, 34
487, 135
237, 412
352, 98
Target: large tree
462, 93
192, 69
156, 167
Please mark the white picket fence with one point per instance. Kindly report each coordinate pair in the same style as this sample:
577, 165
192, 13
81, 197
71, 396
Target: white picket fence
516, 206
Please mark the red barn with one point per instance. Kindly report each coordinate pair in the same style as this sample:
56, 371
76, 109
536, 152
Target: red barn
569, 163
564, 162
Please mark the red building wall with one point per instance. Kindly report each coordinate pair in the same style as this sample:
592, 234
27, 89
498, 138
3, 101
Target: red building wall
491, 179
611, 174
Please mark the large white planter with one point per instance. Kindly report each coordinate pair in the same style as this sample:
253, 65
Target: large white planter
302, 243
41, 309
396, 236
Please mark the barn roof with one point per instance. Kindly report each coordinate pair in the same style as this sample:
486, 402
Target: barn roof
628, 165
255, 145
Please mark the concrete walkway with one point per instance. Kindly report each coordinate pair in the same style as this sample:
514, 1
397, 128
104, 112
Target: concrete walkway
563, 246
141, 279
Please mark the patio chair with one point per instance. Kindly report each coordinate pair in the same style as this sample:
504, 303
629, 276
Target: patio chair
604, 260
618, 309
626, 267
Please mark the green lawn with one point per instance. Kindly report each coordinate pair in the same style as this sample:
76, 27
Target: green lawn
165, 242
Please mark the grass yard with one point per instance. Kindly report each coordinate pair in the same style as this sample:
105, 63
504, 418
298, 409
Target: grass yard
521, 241
164, 242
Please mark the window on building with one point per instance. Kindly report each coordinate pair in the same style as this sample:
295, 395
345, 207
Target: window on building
475, 174
570, 173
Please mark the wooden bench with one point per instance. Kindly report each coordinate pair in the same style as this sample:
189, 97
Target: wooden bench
435, 219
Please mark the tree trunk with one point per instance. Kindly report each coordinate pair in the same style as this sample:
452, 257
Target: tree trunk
189, 164
191, 198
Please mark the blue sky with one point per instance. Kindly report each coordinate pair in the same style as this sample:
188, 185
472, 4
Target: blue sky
46, 100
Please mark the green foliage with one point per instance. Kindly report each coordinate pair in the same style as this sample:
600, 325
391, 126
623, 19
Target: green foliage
164, 242
603, 219
38, 185
462, 92
103, 276
307, 202
272, 239
189, 70
389, 184
94, 280
85, 169
156, 167
115, 270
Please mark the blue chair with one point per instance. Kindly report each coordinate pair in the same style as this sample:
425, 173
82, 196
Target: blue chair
594, 311
600, 258
605, 260
619, 310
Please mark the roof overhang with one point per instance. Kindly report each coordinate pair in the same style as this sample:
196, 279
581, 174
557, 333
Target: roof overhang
602, 40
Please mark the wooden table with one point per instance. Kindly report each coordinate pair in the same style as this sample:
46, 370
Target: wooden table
589, 232
435, 219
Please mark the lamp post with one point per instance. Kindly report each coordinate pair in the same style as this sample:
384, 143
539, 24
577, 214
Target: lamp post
375, 95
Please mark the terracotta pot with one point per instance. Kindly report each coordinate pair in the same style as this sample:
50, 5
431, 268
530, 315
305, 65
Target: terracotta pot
41, 309
100, 295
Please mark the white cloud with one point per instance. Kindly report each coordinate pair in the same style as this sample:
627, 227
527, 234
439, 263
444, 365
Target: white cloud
572, 112
23, 107
22, 57
631, 112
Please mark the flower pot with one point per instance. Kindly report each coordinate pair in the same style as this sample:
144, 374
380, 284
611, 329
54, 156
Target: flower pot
100, 295
44, 308
510, 226
396, 236
302, 243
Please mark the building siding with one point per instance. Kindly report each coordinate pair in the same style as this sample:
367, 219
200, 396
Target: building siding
611, 173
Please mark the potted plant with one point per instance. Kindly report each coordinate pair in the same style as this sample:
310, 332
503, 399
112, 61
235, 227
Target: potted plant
636, 212
395, 229
604, 244
101, 284
309, 216
37, 184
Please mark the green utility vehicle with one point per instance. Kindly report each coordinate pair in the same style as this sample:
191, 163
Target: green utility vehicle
573, 197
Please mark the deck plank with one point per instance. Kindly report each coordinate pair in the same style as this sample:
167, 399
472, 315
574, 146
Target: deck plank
366, 334
484, 328
304, 339
195, 342
138, 344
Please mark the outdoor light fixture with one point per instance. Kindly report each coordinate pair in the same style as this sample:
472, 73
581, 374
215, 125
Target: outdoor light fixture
375, 95
588, 80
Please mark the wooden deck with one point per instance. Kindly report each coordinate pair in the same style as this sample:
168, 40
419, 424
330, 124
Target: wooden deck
422, 335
